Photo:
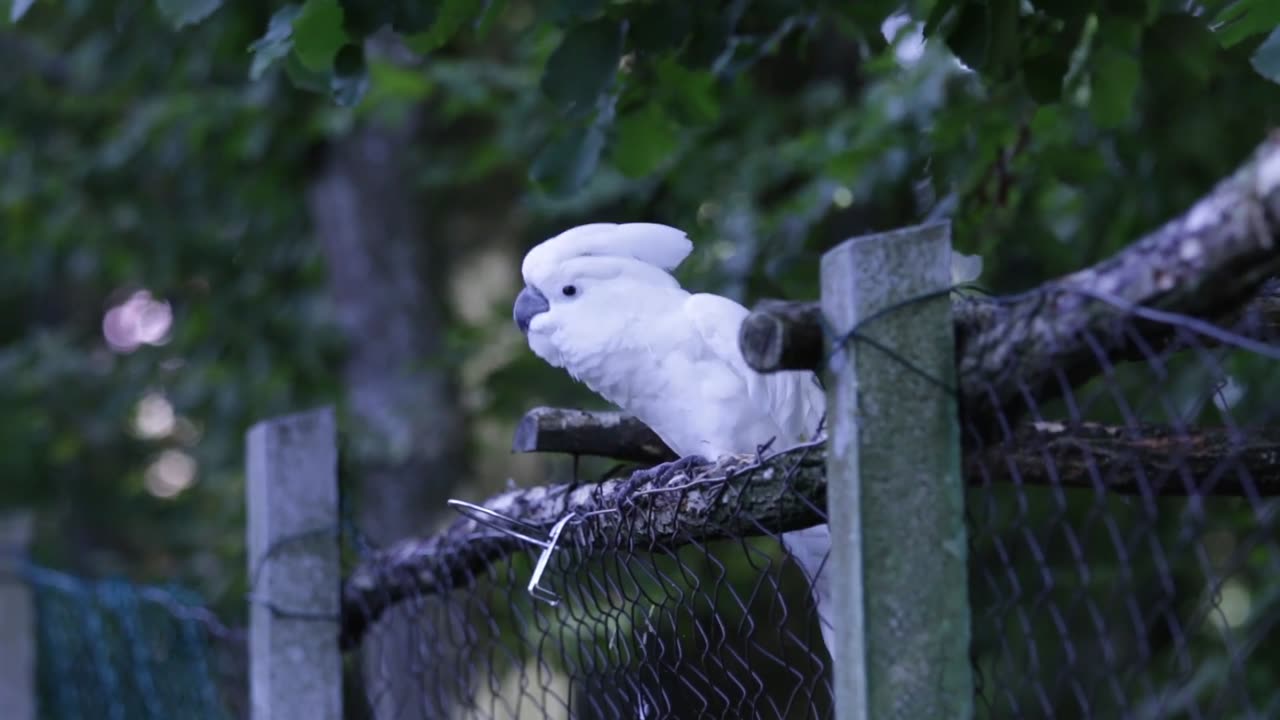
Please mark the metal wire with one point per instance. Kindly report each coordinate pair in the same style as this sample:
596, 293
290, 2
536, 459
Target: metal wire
1124, 563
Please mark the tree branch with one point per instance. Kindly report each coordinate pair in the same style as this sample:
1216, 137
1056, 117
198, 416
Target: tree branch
1146, 460
788, 335
581, 432
1208, 264
783, 335
740, 496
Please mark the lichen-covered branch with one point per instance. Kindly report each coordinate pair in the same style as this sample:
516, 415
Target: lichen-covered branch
1147, 460
788, 335
735, 497
1209, 263
741, 496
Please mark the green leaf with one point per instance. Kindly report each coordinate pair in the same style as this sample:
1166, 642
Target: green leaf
350, 78
657, 27
584, 64
1114, 86
489, 16
398, 85
1266, 59
1004, 51
1142, 11
985, 36
450, 18
565, 165
868, 13
1179, 52
365, 17
851, 164
1047, 56
940, 19
304, 78
1245, 19
177, 12
318, 33
689, 94
1050, 125
1119, 33
19, 8
275, 43
643, 140
1043, 75
566, 11
969, 36
1065, 9
410, 17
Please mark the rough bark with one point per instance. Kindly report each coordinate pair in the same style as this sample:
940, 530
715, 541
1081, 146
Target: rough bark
406, 442
1206, 264
781, 335
1147, 460
788, 335
742, 496
735, 497
580, 432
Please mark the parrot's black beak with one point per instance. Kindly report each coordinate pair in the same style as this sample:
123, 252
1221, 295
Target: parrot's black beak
529, 302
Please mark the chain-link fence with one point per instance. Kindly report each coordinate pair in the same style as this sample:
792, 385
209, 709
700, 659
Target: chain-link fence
1124, 561
1125, 553
652, 612
1118, 443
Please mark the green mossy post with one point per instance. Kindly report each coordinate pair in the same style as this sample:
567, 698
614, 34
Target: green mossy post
895, 490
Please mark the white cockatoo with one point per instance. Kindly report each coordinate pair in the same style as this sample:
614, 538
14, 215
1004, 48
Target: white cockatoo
600, 302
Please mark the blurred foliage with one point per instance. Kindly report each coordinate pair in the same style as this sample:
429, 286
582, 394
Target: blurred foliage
168, 146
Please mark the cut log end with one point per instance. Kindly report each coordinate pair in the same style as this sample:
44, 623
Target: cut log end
780, 335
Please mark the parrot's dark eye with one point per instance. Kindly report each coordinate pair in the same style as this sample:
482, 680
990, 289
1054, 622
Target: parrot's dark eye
569, 290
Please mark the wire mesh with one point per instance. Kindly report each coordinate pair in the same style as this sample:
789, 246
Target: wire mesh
112, 650
635, 616
1124, 542
1123, 558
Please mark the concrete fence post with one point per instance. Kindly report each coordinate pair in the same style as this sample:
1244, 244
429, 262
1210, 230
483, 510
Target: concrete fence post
17, 620
292, 489
895, 491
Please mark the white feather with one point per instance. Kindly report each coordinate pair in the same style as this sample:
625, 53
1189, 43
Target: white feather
793, 400
661, 246
634, 336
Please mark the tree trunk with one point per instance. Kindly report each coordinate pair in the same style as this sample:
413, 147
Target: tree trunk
405, 432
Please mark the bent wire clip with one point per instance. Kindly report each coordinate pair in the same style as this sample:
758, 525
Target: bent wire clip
521, 530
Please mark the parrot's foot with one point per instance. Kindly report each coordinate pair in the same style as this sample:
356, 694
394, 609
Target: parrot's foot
660, 476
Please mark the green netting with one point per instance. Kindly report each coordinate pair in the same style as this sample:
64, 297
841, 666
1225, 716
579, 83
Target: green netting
112, 650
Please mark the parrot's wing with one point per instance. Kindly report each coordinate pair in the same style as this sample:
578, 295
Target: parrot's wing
796, 403
793, 399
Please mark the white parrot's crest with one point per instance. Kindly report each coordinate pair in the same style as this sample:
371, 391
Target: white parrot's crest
662, 246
